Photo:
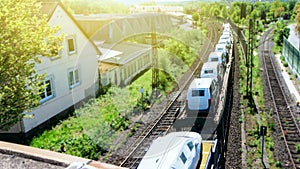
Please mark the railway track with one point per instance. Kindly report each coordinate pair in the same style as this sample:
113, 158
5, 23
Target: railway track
287, 122
161, 125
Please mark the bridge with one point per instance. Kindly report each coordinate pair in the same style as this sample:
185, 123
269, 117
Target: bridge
121, 61
113, 28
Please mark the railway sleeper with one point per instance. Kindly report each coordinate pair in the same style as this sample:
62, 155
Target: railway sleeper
158, 133
163, 127
295, 153
292, 132
292, 137
288, 125
169, 118
170, 113
166, 123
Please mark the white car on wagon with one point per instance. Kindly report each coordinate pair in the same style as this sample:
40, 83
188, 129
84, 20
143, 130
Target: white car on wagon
217, 57
212, 70
200, 94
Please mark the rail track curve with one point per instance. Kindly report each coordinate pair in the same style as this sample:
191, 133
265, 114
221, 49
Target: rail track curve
287, 121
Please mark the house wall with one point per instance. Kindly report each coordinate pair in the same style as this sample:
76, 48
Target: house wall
85, 59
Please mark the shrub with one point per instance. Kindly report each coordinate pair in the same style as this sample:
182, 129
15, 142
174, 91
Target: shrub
271, 146
298, 147
240, 120
278, 164
272, 126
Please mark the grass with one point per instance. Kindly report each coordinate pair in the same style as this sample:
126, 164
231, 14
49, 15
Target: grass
253, 129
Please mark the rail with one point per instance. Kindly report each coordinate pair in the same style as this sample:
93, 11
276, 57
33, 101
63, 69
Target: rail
287, 122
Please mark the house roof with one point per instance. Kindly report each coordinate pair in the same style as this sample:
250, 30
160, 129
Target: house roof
122, 53
104, 67
48, 7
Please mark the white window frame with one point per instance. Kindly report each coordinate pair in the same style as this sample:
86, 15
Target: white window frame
71, 37
72, 81
48, 78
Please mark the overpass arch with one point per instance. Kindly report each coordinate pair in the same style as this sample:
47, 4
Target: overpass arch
116, 32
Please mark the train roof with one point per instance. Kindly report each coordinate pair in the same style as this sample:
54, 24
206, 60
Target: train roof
216, 54
164, 151
210, 65
201, 83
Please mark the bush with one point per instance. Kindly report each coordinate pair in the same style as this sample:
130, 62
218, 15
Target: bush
271, 146
278, 164
285, 64
272, 126
298, 147
68, 137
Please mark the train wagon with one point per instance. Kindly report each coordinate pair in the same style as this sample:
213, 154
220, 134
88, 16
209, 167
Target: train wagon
200, 94
176, 150
217, 57
212, 70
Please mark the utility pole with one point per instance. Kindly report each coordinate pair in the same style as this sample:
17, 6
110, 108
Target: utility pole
249, 63
155, 70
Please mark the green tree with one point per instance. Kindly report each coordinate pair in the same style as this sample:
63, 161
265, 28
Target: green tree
195, 18
277, 8
297, 19
94, 7
281, 31
24, 36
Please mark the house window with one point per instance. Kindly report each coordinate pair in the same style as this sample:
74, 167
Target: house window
71, 44
74, 79
48, 91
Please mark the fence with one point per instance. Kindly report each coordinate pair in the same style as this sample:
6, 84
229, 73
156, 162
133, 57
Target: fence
292, 56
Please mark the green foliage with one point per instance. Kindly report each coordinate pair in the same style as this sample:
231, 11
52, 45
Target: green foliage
185, 45
297, 18
68, 137
270, 146
278, 164
195, 17
240, 120
94, 7
91, 132
25, 35
272, 125
298, 147
281, 31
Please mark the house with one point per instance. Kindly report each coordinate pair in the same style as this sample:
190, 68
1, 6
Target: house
71, 77
122, 62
